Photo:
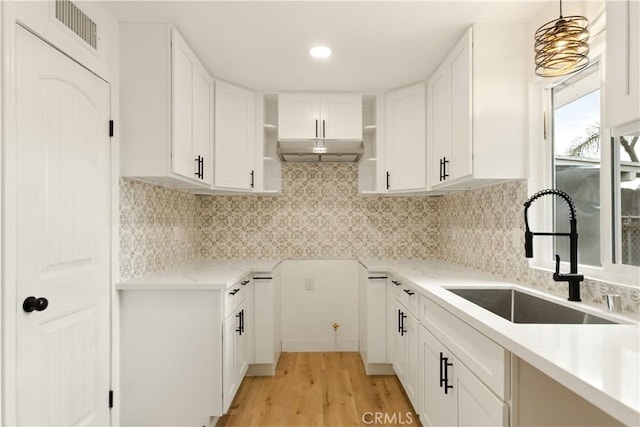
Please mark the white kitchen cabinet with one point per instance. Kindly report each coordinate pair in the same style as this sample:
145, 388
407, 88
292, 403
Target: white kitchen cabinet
477, 108
235, 357
453, 396
405, 356
268, 172
166, 128
622, 63
267, 323
373, 321
319, 116
371, 168
234, 154
406, 161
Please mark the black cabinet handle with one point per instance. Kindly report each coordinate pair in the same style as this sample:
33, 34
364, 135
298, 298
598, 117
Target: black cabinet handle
395, 282
202, 167
444, 373
324, 133
441, 170
399, 321
263, 278
388, 175
402, 329
235, 291
316, 128
445, 162
197, 160
240, 328
252, 177
409, 292
31, 304
244, 283
376, 277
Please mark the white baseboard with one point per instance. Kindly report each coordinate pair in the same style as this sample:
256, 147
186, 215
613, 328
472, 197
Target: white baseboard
315, 345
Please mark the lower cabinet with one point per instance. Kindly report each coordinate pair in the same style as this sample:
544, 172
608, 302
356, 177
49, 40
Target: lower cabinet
452, 395
235, 358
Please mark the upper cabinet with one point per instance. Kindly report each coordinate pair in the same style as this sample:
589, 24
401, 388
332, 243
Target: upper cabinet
477, 109
622, 95
406, 161
234, 152
166, 108
319, 116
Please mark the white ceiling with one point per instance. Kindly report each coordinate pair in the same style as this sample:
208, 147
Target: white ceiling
376, 46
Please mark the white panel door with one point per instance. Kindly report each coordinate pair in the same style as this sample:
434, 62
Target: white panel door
439, 409
341, 116
477, 405
63, 232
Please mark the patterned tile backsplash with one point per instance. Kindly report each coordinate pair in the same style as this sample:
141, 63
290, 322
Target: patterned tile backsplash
159, 227
320, 215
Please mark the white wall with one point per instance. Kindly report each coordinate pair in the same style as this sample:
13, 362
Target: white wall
308, 315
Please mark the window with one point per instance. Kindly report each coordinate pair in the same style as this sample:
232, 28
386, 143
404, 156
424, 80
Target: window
576, 161
600, 169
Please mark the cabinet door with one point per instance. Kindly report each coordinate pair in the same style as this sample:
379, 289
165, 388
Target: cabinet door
406, 144
401, 354
477, 405
203, 121
461, 109
234, 137
229, 384
439, 409
299, 116
182, 159
412, 374
241, 356
622, 96
440, 123
341, 116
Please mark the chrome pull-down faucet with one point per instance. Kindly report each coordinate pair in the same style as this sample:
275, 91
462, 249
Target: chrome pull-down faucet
572, 277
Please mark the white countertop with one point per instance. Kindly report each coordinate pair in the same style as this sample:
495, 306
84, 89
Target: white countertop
601, 363
199, 274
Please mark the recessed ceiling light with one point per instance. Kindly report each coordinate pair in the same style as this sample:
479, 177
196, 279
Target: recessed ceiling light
320, 52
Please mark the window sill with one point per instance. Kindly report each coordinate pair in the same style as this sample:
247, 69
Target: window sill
617, 275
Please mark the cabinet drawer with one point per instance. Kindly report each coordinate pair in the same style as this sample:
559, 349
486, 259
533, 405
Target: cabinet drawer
406, 295
486, 359
234, 295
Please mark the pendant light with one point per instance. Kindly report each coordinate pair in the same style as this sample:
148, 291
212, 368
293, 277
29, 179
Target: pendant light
562, 46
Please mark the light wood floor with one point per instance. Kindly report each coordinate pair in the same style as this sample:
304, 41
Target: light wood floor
320, 389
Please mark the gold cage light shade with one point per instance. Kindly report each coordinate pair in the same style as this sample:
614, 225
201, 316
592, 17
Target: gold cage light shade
561, 46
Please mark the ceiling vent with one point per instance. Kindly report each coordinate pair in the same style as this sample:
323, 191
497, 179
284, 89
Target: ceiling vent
77, 21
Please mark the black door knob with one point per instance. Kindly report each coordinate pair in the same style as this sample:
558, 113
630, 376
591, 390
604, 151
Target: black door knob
35, 304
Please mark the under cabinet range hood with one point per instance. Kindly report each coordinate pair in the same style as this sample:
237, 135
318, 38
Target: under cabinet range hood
320, 151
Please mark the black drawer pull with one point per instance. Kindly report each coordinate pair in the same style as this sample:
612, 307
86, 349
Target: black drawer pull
409, 292
395, 282
244, 282
263, 278
235, 291
444, 373
376, 277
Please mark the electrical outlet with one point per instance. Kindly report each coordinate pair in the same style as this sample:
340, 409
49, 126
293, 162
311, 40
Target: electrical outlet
309, 285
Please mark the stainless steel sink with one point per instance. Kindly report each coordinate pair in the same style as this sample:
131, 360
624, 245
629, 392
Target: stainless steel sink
520, 307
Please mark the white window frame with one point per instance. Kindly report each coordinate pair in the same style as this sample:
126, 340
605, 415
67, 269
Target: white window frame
540, 177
